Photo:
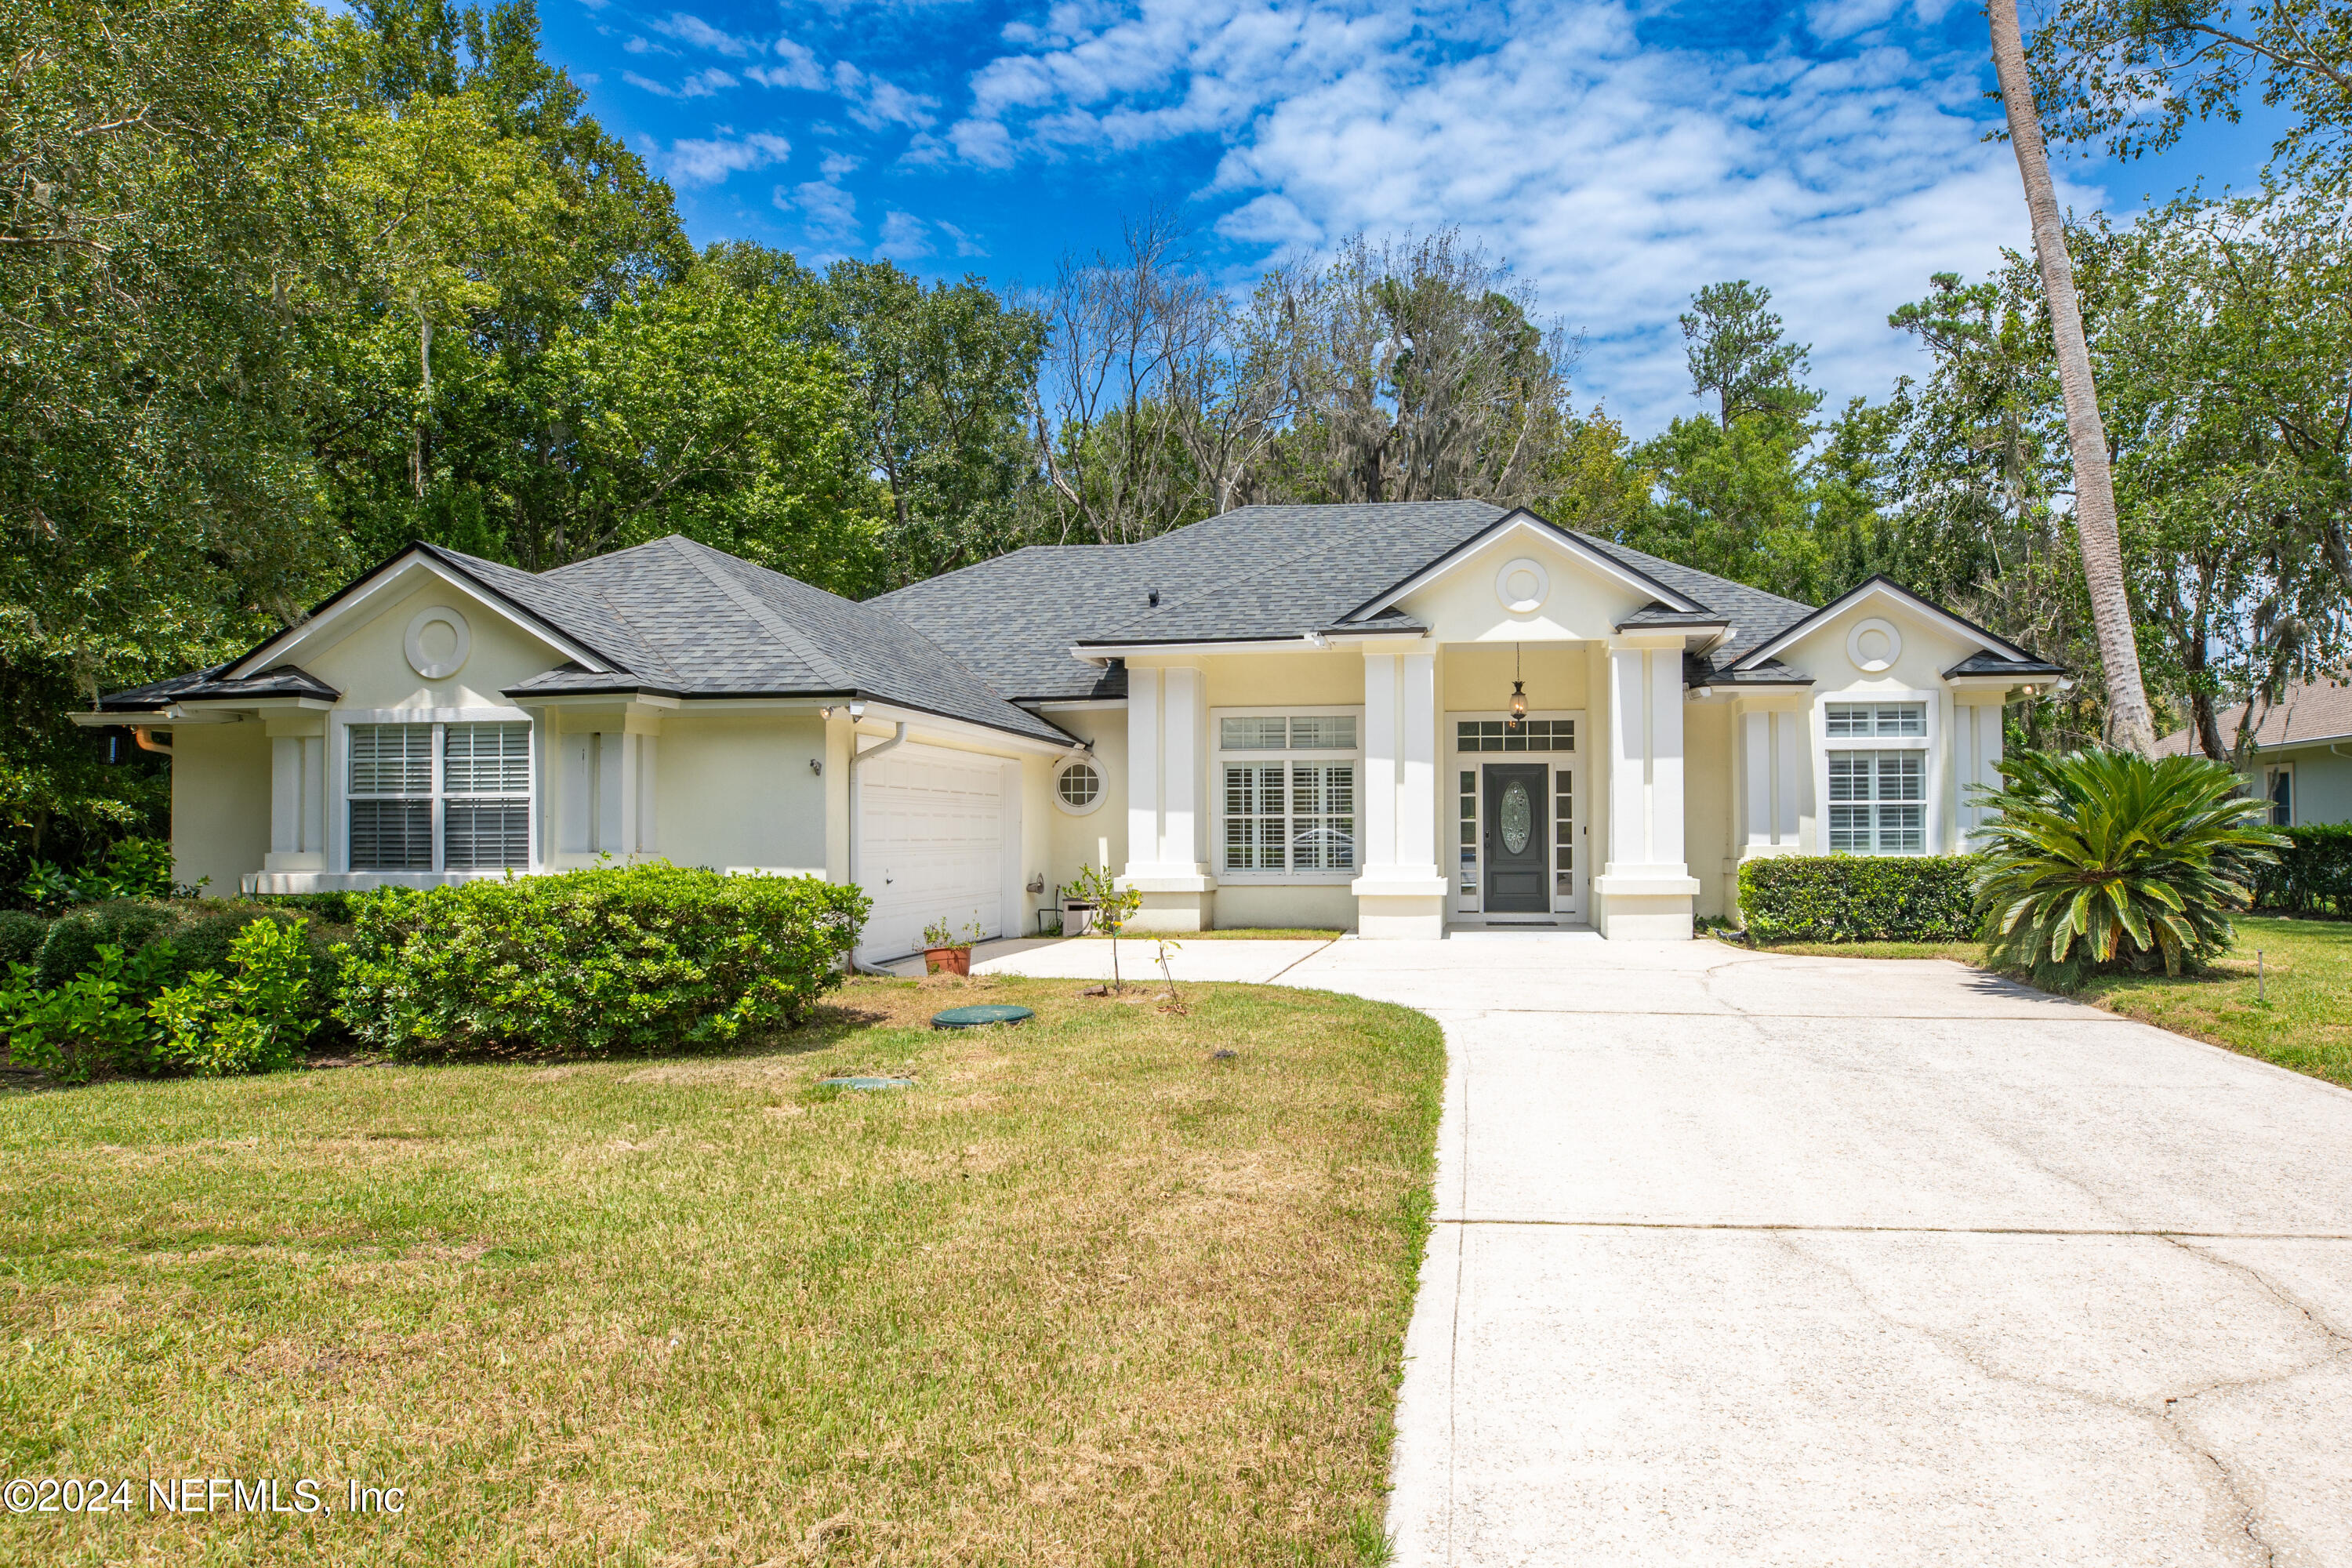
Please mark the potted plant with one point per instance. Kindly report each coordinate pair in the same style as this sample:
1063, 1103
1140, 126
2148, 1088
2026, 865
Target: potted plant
944, 952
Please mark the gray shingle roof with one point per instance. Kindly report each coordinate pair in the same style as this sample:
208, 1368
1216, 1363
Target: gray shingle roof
279, 680
1258, 572
2308, 713
1984, 663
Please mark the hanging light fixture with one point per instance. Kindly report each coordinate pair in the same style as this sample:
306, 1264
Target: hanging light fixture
1518, 690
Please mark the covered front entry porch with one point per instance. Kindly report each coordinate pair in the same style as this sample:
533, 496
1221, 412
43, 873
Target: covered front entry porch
1509, 780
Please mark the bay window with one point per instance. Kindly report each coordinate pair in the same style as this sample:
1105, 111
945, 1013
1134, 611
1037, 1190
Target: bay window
440, 796
1286, 795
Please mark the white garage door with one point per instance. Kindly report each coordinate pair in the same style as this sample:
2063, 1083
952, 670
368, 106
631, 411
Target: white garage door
933, 827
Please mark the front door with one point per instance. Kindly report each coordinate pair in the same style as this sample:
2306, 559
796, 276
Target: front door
1517, 870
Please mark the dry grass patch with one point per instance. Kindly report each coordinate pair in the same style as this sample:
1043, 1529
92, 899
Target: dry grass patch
1083, 1294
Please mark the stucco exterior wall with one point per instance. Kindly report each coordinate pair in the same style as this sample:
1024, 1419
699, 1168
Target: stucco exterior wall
1708, 796
1916, 674
1097, 837
220, 802
736, 789
367, 659
1475, 677
1310, 678
2323, 782
1309, 908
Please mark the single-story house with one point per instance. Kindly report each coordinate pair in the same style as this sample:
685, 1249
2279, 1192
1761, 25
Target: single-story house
2302, 761
1393, 718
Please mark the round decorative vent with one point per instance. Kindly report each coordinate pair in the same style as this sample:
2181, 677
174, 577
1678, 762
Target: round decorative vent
439, 641
1523, 585
1874, 646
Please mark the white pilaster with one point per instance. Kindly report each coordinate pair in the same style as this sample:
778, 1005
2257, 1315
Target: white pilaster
1771, 762
1788, 771
1756, 776
1646, 892
1167, 822
1142, 770
298, 803
1400, 892
1977, 739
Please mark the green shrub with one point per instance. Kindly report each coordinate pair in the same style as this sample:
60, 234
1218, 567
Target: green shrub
644, 958
74, 937
132, 869
21, 936
97, 1020
250, 1020
336, 908
2313, 871
1858, 898
2101, 859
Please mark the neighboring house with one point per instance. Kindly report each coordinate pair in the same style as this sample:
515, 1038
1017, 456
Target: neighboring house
2302, 753
1286, 715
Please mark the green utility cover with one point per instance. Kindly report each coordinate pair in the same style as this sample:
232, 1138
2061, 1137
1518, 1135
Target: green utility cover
971, 1017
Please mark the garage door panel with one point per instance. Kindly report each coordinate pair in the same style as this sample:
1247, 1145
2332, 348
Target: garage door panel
932, 841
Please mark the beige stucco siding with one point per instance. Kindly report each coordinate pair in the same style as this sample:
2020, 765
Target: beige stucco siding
1707, 779
1097, 837
1464, 606
368, 660
220, 802
1320, 678
736, 789
1476, 678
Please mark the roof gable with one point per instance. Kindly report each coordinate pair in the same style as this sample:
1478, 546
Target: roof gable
1882, 586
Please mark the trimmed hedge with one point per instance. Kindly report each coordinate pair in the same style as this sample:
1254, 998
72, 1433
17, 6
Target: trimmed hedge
2314, 873
1858, 898
637, 959
199, 933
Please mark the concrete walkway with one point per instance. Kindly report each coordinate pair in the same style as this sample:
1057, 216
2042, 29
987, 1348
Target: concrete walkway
1750, 1259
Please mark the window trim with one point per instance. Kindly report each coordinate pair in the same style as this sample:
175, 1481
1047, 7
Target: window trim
1102, 786
1934, 787
1219, 757
2270, 771
338, 780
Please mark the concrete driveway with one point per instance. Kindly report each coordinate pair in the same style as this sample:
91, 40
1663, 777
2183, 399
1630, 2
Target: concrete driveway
1751, 1260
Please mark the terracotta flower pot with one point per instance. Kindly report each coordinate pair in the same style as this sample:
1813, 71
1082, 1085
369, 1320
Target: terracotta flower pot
947, 960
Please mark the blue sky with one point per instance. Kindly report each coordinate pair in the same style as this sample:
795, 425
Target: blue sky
1619, 155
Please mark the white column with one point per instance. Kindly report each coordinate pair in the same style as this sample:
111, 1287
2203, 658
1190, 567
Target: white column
1183, 723
1977, 751
644, 839
1628, 750
1381, 744
1665, 670
298, 803
1789, 772
1400, 892
1416, 796
1646, 892
1756, 769
616, 792
1142, 770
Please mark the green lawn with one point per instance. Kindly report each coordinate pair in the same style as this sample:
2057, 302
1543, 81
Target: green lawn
2299, 1014
1085, 1294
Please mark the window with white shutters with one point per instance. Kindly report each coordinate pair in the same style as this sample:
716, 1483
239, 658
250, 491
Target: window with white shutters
1286, 796
440, 797
1878, 803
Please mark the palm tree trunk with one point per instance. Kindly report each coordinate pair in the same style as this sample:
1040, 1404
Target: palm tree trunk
2129, 723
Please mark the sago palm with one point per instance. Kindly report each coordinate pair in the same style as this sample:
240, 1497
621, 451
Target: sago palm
2101, 857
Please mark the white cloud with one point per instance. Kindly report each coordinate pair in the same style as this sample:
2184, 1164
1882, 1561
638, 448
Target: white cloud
707, 162
799, 68
827, 213
1619, 177
965, 244
875, 102
833, 165
905, 237
701, 34
701, 84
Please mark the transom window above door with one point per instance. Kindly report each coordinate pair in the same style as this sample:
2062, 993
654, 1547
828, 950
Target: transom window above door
1305, 732
1525, 735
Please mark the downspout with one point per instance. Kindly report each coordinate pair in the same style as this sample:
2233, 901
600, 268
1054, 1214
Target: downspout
856, 757
145, 737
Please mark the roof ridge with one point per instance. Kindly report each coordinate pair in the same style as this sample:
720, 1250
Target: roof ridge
751, 604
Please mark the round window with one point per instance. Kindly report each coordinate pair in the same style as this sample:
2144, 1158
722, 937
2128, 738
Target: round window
1080, 786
